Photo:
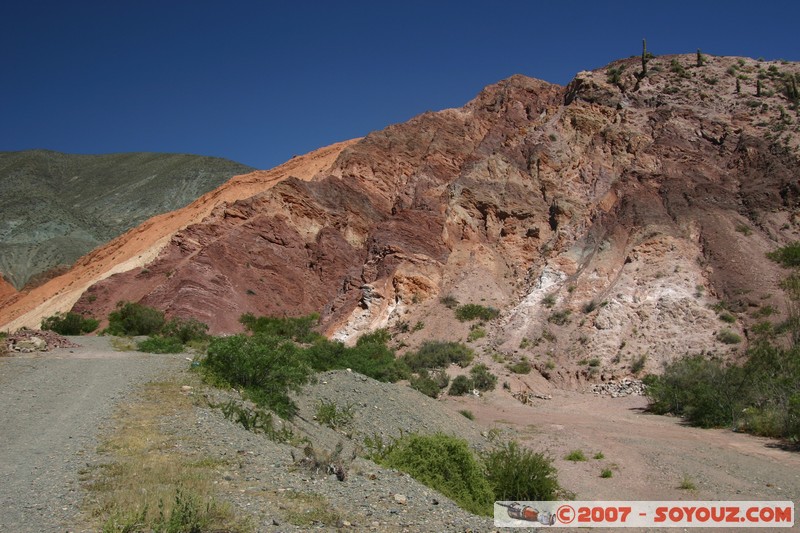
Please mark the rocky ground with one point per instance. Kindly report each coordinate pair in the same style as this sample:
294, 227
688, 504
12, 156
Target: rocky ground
58, 406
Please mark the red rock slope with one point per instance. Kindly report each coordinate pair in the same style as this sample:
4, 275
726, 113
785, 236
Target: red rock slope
141, 245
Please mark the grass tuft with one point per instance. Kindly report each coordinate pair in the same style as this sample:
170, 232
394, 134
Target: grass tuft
575, 456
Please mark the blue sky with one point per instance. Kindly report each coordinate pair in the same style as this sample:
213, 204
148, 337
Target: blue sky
258, 82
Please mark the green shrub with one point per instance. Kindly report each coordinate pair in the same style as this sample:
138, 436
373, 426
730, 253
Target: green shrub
134, 319
188, 514
676, 67
549, 300
764, 312
599, 455
370, 357
638, 364
475, 334
704, 391
299, 329
443, 463
615, 74
727, 317
461, 385
482, 379
606, 473
559, 318
449, 301
255, 420
728, 337
520, 367
687, 483
69, 324
575, 455
517, 473
160, 345
425, 384
333, 416
185, 330
788, 256
441, 378
466, 413
268, 368
430, 384
469, 312
438, 354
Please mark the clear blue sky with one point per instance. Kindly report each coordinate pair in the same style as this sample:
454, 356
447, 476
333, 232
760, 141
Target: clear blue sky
258, 82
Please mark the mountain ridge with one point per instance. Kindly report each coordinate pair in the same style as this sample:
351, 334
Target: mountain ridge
605, 219
57, 207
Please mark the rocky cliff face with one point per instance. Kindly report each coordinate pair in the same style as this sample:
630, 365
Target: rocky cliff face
604, 219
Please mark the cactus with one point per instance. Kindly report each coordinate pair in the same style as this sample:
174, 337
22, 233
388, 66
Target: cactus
644, 57
758, 88
738, 86
791, 89
700, 59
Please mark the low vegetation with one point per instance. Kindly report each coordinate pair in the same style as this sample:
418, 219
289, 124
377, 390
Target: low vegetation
482, 378
520, 367
449, 301
160, 345
430, 384
788, 256
439, 354
444, 463
468, 312
727, 336
175, 335
255, 420
518, 473
332, 415
475, 334
461, 385
575, 456
133, 319
473, 481
145, 484
69, 324
267, 367
282, 353
760, 395
687, 483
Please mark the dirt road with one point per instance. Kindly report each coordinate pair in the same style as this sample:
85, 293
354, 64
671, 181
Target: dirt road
52, 407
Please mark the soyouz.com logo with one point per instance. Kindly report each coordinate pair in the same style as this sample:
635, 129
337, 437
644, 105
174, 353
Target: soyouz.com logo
729, 514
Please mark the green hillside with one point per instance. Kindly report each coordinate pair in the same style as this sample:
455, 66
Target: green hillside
56, 207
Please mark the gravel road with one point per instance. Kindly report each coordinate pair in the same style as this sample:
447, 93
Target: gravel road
52, 407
